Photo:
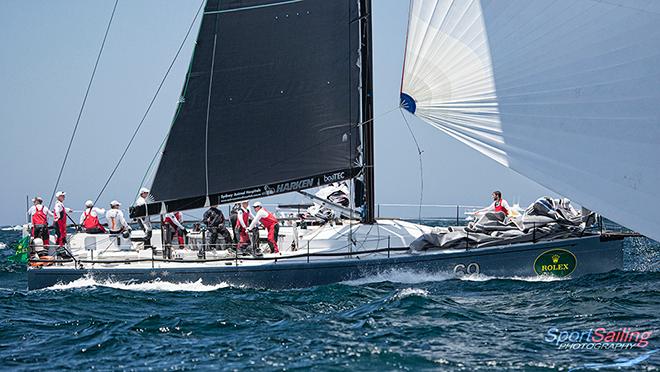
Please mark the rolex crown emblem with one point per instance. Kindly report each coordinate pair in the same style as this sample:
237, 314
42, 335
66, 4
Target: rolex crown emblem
555, 258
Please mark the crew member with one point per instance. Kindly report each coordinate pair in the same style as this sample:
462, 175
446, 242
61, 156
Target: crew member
115, 217
173, 223
144, 194
59, 218
242, 223
498, 205
270, 223
233, 220
145, 223
39, 217
215, 222
89, 219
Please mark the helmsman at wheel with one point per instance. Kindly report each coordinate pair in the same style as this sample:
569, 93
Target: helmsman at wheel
269, 222
60, 214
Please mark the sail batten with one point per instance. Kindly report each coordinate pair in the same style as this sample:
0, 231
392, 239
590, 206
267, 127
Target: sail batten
563, 92
271, 103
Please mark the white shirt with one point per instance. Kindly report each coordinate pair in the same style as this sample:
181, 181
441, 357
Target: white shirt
261, 214
241, 211
116, 220
59, 207
94, 213
172, 216
33, 210
140, 201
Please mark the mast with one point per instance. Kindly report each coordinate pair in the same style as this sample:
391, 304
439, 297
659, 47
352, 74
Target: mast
367, 113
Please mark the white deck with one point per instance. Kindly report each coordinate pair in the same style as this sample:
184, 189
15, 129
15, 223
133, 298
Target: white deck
347, 237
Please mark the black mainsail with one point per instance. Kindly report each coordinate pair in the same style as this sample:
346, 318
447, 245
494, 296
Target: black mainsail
271, 104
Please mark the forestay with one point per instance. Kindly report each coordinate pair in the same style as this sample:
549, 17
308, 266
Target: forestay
271, 104
564, 92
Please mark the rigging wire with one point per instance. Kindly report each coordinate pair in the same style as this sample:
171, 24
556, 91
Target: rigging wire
82, 106
153, 99
421, 168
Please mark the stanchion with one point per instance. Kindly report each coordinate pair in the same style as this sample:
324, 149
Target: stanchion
388, 246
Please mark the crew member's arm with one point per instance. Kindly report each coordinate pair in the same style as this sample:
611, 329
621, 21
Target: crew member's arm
176, 221
505, 205
219, 218
261, 214
489, 208
82, 217
31, 212
122, 220
240, 219
56, 213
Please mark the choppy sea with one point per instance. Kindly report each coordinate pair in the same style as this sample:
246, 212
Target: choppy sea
394, 321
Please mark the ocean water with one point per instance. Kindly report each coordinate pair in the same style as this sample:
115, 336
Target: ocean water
394, 321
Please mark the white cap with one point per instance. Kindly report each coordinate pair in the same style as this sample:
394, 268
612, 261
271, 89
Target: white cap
60, 193
114, 203
256, 204
143, 190
89, 204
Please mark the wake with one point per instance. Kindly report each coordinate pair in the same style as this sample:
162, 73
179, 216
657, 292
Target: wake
151, 286
419, 277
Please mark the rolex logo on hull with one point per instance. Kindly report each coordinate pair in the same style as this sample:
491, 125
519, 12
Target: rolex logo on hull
555, 262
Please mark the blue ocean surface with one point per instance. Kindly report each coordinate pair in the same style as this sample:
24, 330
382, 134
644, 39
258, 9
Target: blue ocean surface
394, 321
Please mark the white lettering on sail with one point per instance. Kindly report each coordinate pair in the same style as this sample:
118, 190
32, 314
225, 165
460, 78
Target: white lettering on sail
334, 177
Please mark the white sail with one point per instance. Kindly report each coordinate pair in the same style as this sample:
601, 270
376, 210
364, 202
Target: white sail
565, 92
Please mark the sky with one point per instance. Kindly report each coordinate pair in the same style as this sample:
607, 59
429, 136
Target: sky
48, 53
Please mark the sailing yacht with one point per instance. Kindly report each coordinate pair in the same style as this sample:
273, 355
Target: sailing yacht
293, 79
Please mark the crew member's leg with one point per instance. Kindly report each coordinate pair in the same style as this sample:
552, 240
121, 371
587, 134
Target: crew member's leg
179, 236
225, 234
272, 238
244, 238
45, 236
214, 237
61, 232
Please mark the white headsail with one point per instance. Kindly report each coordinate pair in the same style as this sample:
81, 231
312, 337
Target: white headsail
565, 92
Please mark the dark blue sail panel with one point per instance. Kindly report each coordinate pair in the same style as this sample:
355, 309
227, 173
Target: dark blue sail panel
272, 97
408, 103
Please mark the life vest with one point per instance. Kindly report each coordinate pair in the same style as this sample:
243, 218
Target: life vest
500, 208
90, 220
269, 220
39, 217
169, 221
246, 218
